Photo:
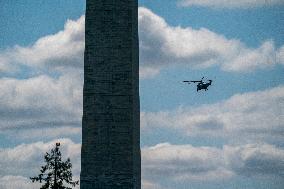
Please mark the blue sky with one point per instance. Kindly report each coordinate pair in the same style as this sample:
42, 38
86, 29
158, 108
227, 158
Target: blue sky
230, 136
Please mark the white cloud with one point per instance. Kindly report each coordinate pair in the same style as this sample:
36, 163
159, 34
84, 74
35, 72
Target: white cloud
230, 3
280, 54
165, 45
19, 163
183, 162
16, 182
41, 101
187, 163
160, 45
175, 163
243, 117
148, 72
25, 160
150, 185
50, 95
255, 159
63, 49
42, 132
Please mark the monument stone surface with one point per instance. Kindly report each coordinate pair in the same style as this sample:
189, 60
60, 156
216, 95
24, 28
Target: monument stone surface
110, 154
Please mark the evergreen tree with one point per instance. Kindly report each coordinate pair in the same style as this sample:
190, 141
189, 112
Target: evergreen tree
56, 172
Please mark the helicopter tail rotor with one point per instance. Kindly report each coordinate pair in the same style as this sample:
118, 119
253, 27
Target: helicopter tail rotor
210, 81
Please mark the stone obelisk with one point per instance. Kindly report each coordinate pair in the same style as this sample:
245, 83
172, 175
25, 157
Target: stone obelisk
110, 155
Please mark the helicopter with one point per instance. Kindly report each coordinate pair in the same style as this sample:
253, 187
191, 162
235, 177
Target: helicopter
201, 84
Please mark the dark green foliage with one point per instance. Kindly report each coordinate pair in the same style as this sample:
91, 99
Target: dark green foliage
56, 172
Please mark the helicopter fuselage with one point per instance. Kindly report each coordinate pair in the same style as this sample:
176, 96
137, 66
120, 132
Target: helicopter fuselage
200, 84
203, 85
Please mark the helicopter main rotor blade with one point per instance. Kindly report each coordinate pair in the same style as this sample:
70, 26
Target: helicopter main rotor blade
195, 81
